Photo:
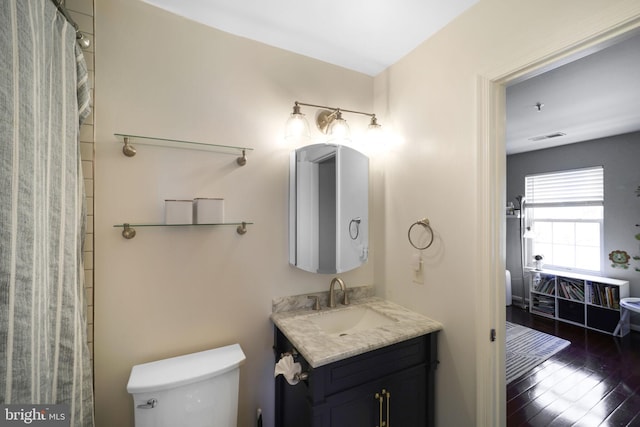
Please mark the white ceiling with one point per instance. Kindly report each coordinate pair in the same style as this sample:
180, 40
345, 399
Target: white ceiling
593, 97
362, 35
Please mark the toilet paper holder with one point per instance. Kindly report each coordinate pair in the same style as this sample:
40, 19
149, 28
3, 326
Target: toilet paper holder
293, 353
301, 376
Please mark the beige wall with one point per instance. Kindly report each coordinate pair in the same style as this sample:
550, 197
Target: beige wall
174, 291
170, 292
431, 96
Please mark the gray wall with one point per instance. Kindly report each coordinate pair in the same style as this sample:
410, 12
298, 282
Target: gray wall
620, 156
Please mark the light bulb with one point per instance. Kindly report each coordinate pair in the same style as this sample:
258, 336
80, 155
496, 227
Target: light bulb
339, 129
374, 132
297, 127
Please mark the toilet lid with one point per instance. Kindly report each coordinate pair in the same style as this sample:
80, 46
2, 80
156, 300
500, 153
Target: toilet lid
181, 370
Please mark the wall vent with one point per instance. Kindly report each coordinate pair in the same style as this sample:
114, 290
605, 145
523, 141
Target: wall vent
549, 136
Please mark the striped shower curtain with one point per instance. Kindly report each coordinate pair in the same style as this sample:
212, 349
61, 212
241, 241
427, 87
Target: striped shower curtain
44, 357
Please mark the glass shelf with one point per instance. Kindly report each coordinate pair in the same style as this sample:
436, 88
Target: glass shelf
129, 232
130, 151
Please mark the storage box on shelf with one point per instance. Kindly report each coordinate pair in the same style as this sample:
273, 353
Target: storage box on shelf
592, 302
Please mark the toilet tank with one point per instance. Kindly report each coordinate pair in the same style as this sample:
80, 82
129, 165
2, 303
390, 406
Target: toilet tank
194, 390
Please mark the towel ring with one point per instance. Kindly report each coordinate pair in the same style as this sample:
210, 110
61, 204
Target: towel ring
425, 224
354, 228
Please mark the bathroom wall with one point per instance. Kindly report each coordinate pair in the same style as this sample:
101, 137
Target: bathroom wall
81, 11
169, 292
431, 97
619, 156
174, 291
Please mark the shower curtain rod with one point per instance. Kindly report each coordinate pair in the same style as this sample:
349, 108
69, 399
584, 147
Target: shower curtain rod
79, 36
64, 12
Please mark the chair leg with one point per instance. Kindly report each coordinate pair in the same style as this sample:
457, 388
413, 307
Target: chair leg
623, 320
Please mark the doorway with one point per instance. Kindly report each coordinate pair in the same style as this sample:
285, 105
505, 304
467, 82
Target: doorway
595, 139
491, 194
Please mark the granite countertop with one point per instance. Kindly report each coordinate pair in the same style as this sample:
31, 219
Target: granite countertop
320, 348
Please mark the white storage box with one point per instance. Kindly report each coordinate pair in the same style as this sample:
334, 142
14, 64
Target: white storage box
208, 211
178, 211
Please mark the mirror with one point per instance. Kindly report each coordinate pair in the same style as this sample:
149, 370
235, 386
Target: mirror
328, 208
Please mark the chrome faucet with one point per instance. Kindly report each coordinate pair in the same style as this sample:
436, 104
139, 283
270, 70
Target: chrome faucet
343, 287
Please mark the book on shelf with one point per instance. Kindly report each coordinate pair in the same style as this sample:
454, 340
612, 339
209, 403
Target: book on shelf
571, 289
547, 285
544, 305
605, 296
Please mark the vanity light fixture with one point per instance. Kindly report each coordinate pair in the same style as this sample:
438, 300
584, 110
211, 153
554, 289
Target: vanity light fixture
329, 121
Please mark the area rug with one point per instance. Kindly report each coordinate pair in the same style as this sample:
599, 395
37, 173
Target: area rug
527, 348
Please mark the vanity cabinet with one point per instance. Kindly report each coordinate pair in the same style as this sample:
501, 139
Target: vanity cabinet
390, 386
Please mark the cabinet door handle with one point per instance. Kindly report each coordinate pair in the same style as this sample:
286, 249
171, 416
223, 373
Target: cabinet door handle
388, 406
385, 393
379, 398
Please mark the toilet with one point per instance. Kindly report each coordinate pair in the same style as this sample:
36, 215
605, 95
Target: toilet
194, 390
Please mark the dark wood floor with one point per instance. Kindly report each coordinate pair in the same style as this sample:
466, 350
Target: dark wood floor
593, 382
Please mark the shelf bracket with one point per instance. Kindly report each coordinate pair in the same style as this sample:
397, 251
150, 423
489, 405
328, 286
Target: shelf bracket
242, 160
128, 149
242, 229
128, 232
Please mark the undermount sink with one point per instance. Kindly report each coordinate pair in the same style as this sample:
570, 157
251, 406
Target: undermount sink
347, 321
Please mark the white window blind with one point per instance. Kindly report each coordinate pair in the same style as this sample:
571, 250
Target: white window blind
566, 188
565, 211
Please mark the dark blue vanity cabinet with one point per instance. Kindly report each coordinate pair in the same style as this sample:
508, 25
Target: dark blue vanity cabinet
390, 386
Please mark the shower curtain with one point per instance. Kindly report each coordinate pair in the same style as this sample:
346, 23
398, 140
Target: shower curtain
44, 357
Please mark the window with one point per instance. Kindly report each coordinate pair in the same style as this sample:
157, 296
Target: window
565, 212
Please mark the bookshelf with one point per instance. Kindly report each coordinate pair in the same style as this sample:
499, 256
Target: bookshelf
592, 302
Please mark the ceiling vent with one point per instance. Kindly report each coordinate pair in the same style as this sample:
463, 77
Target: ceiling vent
549, 136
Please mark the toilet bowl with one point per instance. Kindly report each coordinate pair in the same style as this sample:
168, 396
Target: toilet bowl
194, 390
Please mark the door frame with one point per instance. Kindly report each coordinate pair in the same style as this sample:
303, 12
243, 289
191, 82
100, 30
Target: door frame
491, 188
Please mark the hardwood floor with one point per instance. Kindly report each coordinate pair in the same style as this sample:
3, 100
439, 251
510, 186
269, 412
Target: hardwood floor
593, 382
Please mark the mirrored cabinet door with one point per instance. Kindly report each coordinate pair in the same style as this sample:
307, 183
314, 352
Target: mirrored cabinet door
328, 208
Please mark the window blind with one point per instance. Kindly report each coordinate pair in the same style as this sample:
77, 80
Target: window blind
571, 187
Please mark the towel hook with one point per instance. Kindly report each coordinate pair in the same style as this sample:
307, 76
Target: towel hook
424, 222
